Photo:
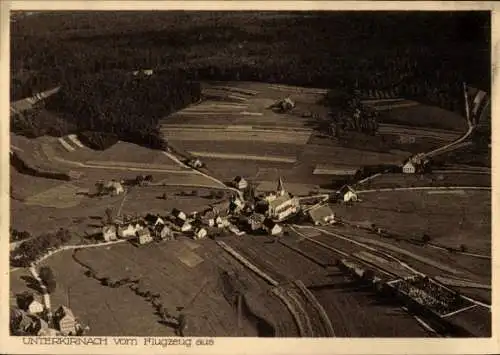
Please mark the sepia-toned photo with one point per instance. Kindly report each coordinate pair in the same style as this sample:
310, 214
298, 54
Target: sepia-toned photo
278, 174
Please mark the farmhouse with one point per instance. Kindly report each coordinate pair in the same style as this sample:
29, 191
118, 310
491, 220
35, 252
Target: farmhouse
240, 183
109, 233
179, 214
409, 167
153, 220
183, 226
35, 307
272, 228
322, 215
163, 232
348, 194
236, 205
65, 320
38, 326
144, 236
114, 187
200, 233
129, 230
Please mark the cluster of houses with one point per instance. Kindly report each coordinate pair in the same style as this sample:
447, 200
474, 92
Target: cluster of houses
31, 317
239, 216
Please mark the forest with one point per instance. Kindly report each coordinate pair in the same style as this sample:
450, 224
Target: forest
425, 56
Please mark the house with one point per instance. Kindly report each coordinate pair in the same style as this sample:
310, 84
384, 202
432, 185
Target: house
200, 233
255, 221
236, 205
283, 207
163, 232
321, 215
35, 307
144, 236
129, 230
148, 72
179, 214
233, 229
221, 222
38, 326
183, 226
114, 187
272, 227
347, 193
409, 167
65, 320
109, 233
240, 183
153, 220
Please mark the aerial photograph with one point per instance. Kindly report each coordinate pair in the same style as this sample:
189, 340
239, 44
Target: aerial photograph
250, 174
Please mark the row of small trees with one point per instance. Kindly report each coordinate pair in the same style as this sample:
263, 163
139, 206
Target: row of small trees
30, 250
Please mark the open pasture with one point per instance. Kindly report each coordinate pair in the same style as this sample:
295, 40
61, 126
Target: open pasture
424, 116
435, 179
449, 219
62, 196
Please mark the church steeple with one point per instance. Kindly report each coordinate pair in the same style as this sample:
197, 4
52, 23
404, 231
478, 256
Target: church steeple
280, 190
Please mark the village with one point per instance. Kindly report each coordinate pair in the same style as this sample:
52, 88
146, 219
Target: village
243, 213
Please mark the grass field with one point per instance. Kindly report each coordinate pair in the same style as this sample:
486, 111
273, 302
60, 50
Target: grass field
450, 219
62, 196
425, 116
434, 179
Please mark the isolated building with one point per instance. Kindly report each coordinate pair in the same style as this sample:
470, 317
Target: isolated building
240, 183
144, 236
409, 167
109, 233
348, 194
321, 215
65, 320
114, 187
179, 214
272, 227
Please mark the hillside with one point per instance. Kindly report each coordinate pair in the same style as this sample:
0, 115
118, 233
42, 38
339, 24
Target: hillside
383, 50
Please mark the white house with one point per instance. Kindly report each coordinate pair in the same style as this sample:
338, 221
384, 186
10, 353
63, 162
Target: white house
114, 187
409, 167
200, 233
322, 215
144, 236
65, 320
129, 230
240, 183
109, 233
163, 232
179, 214
35, 307
183, 226
272, 228
348, 193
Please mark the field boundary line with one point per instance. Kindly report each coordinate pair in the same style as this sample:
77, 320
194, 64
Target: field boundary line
327, 324
425, 188
247, 263
280, 294
243, 157
65, 144
459, 311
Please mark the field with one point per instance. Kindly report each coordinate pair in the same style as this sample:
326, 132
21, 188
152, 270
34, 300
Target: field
450, 219
425, 116
434, 179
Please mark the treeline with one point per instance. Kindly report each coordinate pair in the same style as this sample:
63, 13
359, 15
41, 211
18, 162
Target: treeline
30, 250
